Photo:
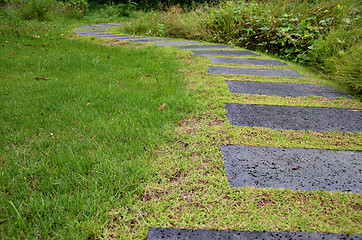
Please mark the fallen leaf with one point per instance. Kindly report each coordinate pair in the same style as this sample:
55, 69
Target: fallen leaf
88, 104
42, 78
295, 168
354, 110
148, 75
180, 70
36, 36
108, 57
11, 51
28, 45
162, 106
180, 124
45, 45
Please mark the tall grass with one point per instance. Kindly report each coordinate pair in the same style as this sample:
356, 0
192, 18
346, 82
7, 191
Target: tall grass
175, 22
79, 122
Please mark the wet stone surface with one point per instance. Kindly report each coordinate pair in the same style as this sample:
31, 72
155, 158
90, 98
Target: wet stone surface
130, 37
114, 36
154, 40
202, 47
293, 168
295, 118
204, 234
92, 32
99, 34
225, 53
176, 43
284, 89
246, 61
254, 71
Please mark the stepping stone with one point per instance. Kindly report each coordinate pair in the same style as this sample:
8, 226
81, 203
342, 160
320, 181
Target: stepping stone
225, 53
202, 47
115, 36
295, 118
153, 40
91, 32
111, 24
98, 34
293, 168
176, 43
246, 61
254, 71
130, 37
284, 89
205, 234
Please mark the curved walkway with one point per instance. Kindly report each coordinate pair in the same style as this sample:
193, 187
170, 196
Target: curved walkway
315, 169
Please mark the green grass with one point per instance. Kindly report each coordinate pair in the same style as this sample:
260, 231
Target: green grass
85, 152
79, 124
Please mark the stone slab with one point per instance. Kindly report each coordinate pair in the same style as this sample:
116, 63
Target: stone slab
99, 34
293, 168
92, 32
225, 53
254, 71
130, 37
176, 43
202, 47
154, 40
295, 118
205, 234
115, 36
111, 24
246, 61
284, 89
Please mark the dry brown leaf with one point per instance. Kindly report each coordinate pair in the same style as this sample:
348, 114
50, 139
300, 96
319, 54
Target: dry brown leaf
162, 106
36, 36
180, 124
42, 78
354, 110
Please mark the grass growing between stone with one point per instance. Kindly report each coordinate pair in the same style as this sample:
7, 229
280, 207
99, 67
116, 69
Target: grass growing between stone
191, 190
79, 126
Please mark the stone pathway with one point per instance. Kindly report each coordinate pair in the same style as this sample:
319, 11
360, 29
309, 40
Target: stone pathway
269, 167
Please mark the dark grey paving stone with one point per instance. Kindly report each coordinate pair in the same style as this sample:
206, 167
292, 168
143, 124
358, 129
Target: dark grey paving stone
254, 72
284, 89
246, 61
204, 234
295, 118
202, 47
176, 43
115, 36
111, 24
92, 32
154, 40
130, 37
99, 34
293, 168
225, 53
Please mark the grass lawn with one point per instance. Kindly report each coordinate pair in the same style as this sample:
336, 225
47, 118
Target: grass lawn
86, 153
79, 125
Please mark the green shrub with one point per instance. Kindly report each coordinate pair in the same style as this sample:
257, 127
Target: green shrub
36, 10
277, 26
